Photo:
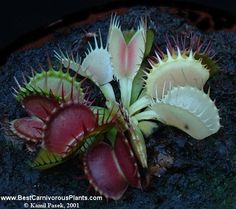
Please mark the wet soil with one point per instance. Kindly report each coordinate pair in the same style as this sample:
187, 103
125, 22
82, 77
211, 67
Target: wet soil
203, 174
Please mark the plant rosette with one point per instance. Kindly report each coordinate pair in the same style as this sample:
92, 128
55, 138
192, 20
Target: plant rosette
111, 138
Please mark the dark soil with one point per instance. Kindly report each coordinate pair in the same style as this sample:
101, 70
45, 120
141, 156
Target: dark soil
203, 172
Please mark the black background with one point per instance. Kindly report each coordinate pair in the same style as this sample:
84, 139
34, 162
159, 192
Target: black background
19, 18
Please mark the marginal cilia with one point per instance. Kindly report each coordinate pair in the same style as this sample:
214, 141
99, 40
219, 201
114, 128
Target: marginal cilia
166, 88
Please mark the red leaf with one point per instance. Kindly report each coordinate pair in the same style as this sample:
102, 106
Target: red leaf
39, 105
103, 173
127, 161
109, 170
28, 128
67, 126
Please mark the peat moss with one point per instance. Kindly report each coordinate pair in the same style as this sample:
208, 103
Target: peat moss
203, 173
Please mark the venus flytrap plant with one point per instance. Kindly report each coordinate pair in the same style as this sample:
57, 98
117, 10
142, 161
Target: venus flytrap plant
188, 109
176, 82
50, 82
180, 66
128, 50
127, 53
66, 124
177, 69
61, 118
96, 66
121, 58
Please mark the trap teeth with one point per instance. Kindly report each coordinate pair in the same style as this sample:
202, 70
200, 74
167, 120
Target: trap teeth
178, 70
190, 110
52, 82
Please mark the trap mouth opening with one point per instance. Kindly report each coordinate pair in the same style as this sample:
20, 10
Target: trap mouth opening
206, 16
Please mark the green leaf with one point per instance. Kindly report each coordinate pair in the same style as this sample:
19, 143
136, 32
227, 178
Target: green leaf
138, 145
104, 115
128, 35
149, 39
137, 86
51, 82
210, 63
82, 147
147, 127
149, 42
46, 159
126, 90
111, 136
89, 139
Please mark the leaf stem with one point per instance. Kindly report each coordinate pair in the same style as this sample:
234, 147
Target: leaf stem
139, 104
146, 115
126, 90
